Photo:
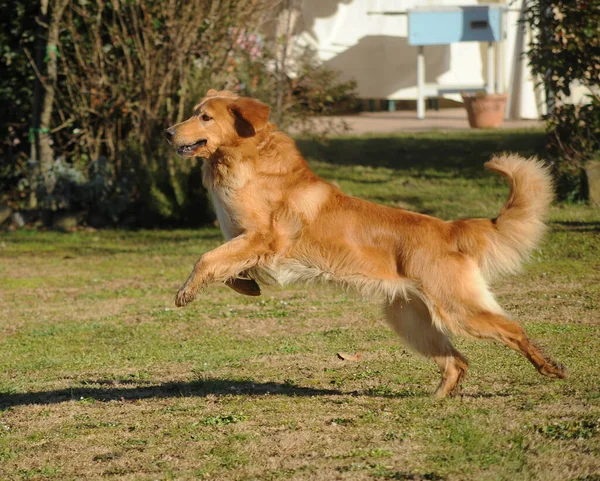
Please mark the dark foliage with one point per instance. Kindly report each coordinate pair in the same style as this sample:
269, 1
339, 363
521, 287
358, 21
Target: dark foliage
17, 41
566, 51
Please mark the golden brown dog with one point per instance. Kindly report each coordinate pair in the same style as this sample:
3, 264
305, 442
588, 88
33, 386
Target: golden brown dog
284, 224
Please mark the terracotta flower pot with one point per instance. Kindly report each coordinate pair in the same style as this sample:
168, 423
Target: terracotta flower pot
485, 111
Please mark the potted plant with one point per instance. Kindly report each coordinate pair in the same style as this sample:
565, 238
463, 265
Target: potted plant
485, 111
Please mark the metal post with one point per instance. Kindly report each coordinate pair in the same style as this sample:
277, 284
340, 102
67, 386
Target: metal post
500, 53
421, 83
490, 69
500, 67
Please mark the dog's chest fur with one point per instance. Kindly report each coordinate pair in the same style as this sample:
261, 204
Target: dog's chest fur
248, 201
224, 179
229, 227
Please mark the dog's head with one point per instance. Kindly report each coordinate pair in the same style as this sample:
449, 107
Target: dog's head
221, 119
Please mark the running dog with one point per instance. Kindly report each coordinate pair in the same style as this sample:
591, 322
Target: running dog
284, 224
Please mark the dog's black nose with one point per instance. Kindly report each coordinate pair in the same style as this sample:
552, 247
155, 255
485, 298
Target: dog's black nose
170, 133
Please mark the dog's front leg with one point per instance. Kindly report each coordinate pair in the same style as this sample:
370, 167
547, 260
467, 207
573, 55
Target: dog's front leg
221, 264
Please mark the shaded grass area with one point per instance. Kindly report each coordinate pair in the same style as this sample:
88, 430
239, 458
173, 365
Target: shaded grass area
434, 154
101, 377
436, 173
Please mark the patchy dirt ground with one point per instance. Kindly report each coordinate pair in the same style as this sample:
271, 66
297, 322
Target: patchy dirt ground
102, 378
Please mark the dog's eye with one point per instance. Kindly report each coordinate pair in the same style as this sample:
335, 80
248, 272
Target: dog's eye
206, 118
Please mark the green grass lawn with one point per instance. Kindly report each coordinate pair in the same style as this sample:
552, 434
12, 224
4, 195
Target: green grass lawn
102, 377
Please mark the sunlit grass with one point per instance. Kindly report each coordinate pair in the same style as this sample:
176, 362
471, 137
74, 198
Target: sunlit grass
101, 377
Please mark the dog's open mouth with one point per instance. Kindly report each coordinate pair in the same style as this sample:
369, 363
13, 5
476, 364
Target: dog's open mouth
189, 149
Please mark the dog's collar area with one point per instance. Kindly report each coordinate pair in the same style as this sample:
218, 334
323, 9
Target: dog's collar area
188, 149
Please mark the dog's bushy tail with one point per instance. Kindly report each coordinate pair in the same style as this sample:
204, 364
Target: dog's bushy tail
502, 244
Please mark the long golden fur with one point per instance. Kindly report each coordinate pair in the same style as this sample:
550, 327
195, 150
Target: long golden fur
284, 224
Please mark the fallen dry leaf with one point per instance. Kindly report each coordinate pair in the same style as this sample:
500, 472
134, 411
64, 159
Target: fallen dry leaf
350, 357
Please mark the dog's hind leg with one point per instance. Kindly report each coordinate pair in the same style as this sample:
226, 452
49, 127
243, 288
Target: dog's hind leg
488, 325
412, 321
470, 308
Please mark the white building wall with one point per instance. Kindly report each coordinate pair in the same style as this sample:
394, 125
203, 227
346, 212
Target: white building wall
364, 41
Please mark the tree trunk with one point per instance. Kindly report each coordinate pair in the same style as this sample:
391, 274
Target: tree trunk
46, 153
34, 129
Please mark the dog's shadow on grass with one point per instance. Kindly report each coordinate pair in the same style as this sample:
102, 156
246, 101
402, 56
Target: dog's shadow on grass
199, 388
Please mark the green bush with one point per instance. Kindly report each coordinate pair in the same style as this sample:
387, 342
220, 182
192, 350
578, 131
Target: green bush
299, 89
566, 49
573, 138
17, 39
124, 72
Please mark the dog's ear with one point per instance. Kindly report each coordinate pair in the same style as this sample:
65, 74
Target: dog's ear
221, 93
251, 116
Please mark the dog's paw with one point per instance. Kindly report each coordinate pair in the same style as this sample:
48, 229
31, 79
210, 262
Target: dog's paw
184, 296
554, 370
